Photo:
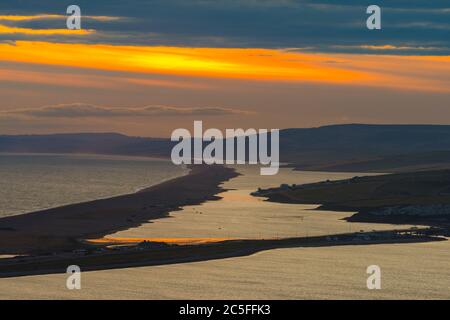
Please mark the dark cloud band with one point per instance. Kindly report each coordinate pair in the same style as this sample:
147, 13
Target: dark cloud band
327, 26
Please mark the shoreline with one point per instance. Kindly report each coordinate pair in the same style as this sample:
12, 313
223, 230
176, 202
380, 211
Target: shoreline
58, 229
400, 198
121, 253
178, 254
124, 189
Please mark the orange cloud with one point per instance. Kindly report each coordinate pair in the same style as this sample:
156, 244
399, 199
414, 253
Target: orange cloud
258, 64
387, 47
52, 16
14, 30
404, 72
83, 80
27, 18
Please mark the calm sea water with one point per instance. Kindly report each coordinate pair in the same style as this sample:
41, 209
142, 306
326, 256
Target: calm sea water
33, 182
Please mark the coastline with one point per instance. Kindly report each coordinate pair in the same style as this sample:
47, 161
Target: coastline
38, 182
58, 229
413, 198
201, 252
286, 251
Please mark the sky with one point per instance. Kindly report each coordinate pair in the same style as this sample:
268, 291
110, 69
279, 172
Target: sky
146, 68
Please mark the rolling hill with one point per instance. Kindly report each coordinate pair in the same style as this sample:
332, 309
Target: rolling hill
352, 147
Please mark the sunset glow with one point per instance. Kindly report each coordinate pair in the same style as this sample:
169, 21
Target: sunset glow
312, 66
253, 64
50, 17
27, 18
178, 241
12, 30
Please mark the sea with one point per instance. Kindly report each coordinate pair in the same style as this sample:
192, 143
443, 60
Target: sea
30, 182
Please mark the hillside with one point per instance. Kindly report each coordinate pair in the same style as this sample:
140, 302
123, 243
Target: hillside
353, 147
95, 143
358, 147
420, 197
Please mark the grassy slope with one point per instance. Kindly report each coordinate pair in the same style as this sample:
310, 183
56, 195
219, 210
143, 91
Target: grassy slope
429, 187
